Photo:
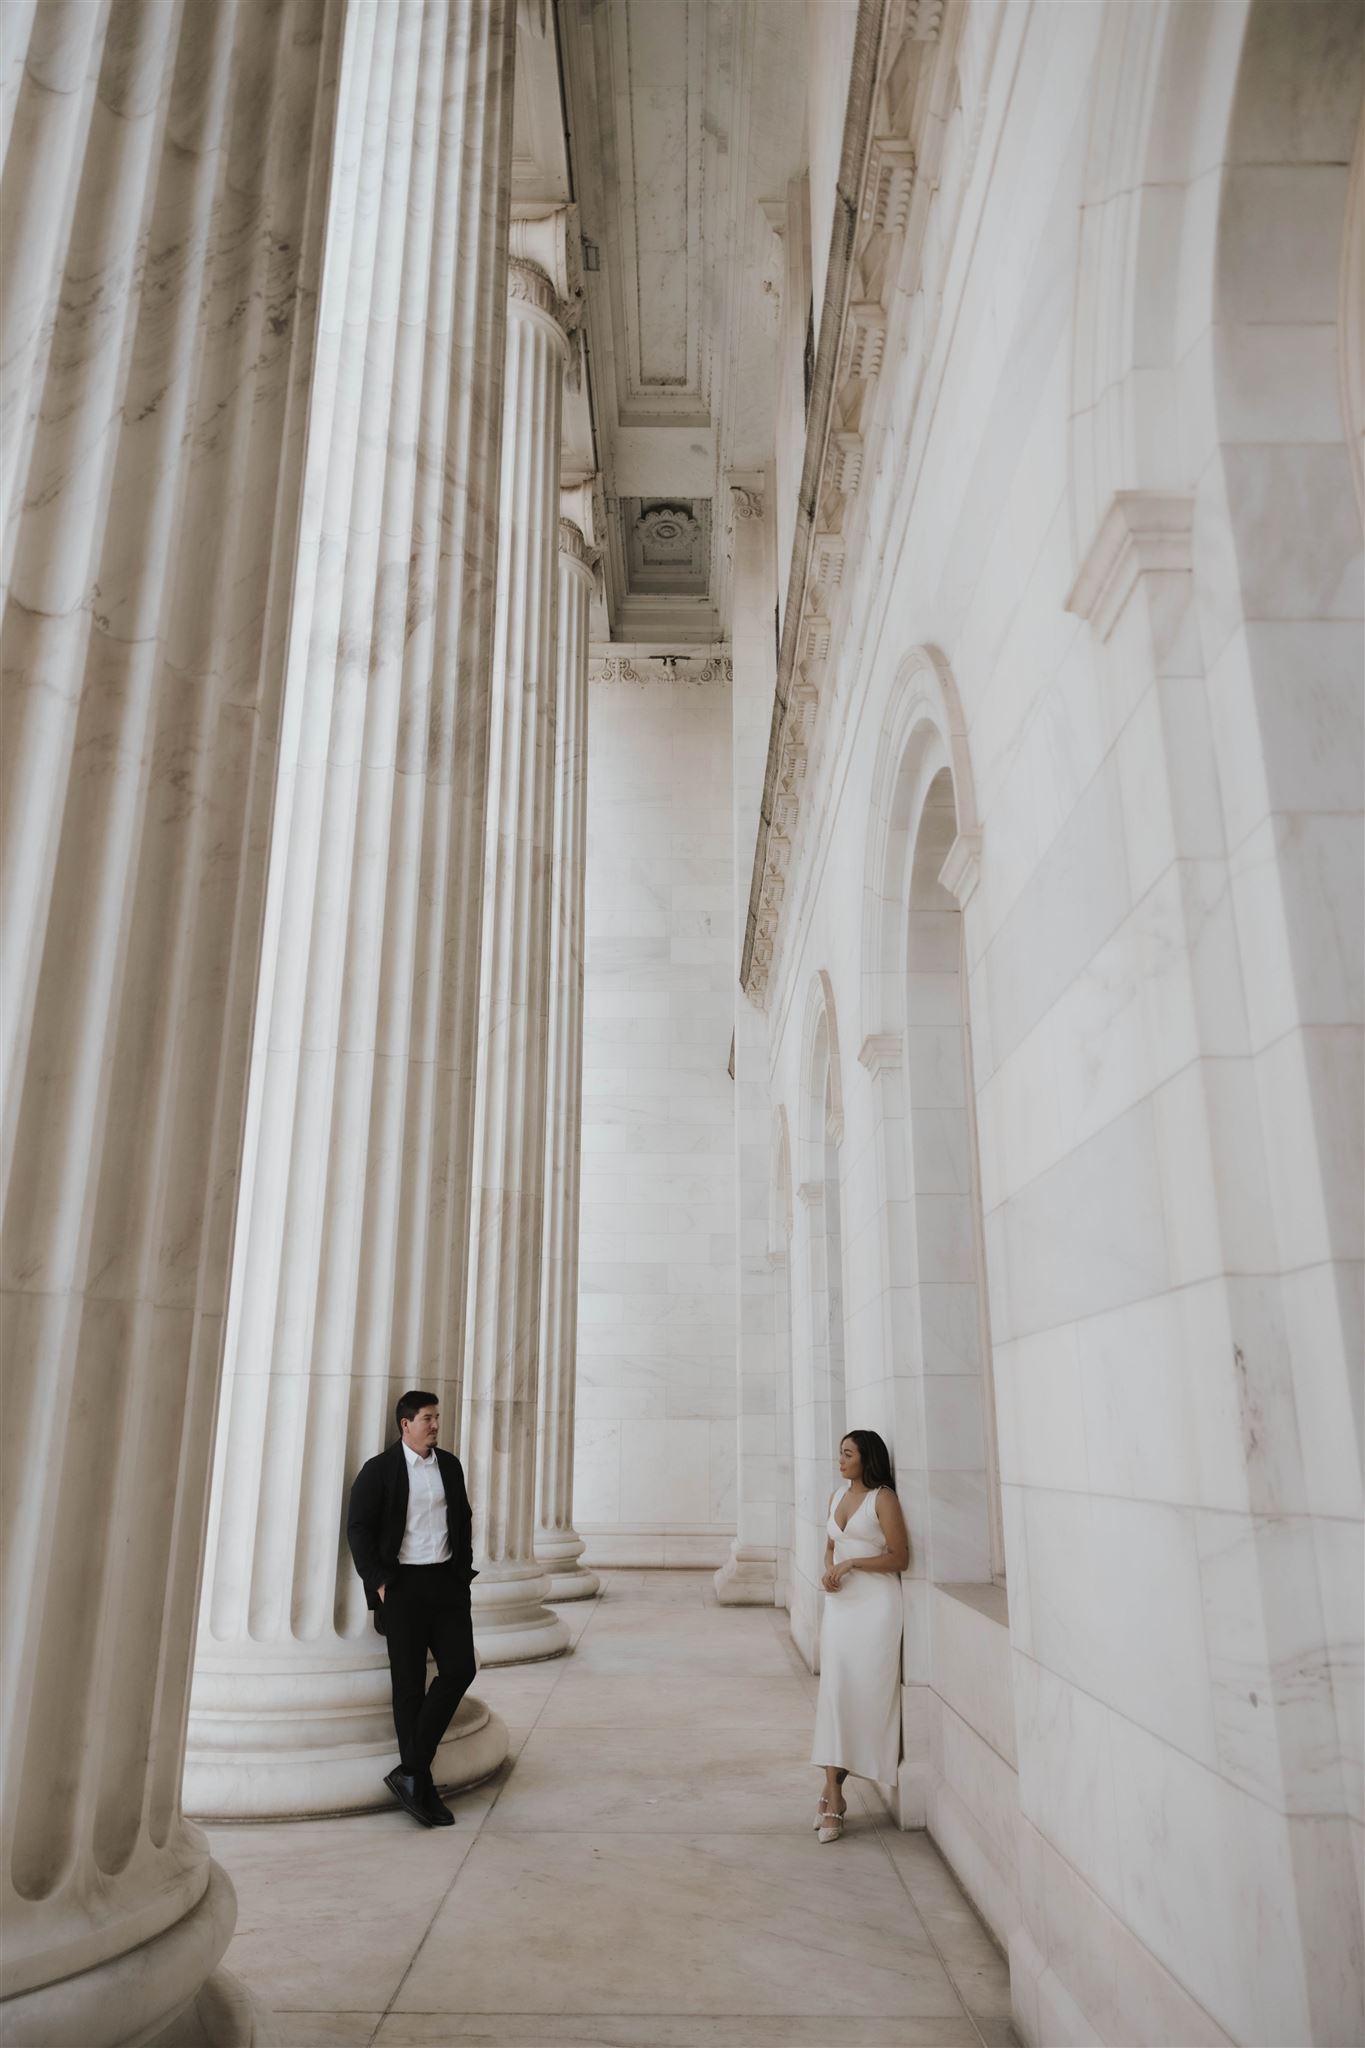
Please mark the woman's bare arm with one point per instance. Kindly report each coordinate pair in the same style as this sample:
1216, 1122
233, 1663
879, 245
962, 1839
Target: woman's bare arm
829, 1547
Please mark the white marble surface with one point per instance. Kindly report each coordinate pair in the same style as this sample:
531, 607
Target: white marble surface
558, 1544
358, 1135
682, 1837
1162, 740
655, 1441
158, 319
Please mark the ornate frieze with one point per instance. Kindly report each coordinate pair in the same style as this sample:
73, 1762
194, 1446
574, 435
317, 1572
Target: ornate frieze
697, 665
891, 119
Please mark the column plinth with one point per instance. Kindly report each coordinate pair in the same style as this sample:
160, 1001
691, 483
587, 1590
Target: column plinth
348, 1281
512, 1623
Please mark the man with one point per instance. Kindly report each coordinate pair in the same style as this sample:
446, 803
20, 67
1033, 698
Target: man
411, 1536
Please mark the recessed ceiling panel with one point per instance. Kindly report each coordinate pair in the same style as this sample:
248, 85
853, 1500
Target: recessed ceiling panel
655, 193
667, 546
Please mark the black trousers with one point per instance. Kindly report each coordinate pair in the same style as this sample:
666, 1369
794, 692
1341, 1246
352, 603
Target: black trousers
426, 1608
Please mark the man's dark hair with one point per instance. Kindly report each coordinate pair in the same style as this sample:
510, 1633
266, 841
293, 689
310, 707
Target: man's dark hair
875, 1456
411, 1405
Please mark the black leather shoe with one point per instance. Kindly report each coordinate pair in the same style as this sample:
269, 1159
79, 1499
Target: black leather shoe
409, 1795
439, 1813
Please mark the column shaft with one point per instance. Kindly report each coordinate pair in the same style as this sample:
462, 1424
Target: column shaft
511, 1623
558, 1546
349, 1277
164, 180
762, 1465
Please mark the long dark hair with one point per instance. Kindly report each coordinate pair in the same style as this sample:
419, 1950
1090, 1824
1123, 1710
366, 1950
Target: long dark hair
875, 1456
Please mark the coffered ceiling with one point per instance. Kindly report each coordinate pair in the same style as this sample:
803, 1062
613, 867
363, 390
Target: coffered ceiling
673, 127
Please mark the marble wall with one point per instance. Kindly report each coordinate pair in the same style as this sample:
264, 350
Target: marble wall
1105, 558
655, 1439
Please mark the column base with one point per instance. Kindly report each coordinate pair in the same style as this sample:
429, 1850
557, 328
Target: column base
295, 1745
224, 2015
138, 1996
512, 1623
748, 1578
558, 1553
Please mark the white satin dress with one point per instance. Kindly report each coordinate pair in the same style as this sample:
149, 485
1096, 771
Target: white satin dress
857, 1719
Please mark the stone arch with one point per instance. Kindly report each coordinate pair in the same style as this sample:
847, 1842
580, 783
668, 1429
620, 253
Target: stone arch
1162, 83
921, 868
923, 730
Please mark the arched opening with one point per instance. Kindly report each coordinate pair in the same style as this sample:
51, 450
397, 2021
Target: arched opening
952, 1313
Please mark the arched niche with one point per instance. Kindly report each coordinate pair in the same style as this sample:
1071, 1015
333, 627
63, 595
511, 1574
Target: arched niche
921, 870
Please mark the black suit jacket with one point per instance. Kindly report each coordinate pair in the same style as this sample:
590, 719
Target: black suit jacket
378, 1515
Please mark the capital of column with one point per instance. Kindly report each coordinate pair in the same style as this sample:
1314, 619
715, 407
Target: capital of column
574, 549
530, 290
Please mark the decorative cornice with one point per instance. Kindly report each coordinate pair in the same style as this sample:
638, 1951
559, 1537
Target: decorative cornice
834, 1127
641, 665
881, 1053
877, 184
961, 871
746, 503
1141, 533
810, 1193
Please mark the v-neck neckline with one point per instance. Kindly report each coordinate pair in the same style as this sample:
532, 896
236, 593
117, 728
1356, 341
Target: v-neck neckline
842, 1527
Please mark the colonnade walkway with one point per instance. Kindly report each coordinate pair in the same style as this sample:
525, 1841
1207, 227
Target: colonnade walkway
641, 1874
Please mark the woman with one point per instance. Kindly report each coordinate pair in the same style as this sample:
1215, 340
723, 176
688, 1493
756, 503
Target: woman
857, 1721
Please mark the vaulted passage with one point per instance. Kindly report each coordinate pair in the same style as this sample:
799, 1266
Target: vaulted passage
637, 1874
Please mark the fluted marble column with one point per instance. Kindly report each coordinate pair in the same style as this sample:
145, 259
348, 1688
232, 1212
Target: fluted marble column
511, 1622
558, 1545
165, 172
763, 1479
349, 1276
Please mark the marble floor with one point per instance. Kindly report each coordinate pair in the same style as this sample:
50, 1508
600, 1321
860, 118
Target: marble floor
641, 1874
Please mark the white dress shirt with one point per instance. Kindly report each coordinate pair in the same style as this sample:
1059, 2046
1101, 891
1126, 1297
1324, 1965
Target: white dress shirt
426, 1537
